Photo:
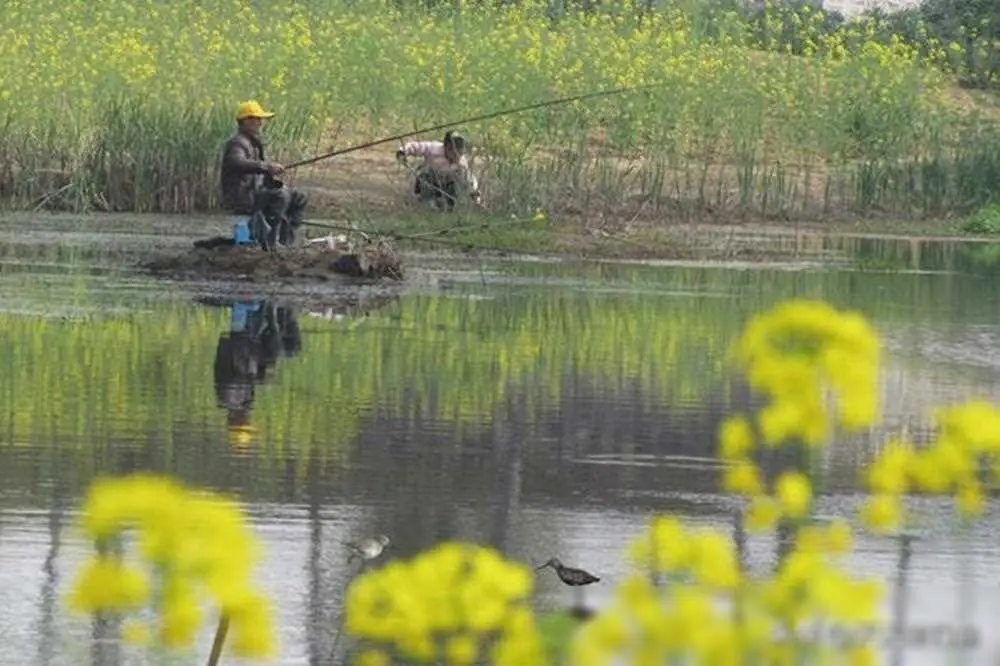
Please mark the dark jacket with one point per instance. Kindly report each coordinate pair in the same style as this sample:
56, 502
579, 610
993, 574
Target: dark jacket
242, 171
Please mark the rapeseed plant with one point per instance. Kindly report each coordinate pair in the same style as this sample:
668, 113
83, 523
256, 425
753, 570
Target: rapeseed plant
712, 612
797, 355
957, 462
790, 131
450, 604
193, 544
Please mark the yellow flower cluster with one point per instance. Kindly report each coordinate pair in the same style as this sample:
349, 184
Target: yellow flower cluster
967, 442
709, 613
193, 543
791, 354
795, 354
450, 604
793, 351
703, 556
337, 61
645, 625
809, 585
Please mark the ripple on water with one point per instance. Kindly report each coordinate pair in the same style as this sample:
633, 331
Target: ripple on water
535, 409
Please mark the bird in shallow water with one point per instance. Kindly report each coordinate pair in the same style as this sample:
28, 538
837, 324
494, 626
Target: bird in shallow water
575, 578
367, 549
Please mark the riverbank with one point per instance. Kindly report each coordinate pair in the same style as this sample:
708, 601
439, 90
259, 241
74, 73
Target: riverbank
128, 240
829, 120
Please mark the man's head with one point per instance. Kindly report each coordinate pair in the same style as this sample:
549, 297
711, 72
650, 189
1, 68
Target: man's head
250, 116
454, 146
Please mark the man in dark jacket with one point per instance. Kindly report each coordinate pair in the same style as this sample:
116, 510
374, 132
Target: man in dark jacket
248, 179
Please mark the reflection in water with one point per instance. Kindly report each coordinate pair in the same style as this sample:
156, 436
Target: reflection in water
46, 630
260, 333
546, 418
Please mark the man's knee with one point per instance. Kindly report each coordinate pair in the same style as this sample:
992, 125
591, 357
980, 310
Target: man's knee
298, 199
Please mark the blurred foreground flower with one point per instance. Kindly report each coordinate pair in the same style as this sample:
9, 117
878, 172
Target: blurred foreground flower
193, 543
795, 354
796, 351
955, 462
450, 604
708, 612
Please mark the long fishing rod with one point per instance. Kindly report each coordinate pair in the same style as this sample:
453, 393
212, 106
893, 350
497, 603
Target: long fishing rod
464, 121
419, 238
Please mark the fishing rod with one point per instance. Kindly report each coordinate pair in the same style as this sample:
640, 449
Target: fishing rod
425, 237
464, 121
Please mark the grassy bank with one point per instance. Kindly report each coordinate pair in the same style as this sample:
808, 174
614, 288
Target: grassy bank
123, 106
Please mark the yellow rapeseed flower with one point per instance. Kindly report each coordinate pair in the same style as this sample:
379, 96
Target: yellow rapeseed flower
192, 543
882, 513
890, 470
976, 424
664, 547
106, 584
449, 601
372, 658
743, 478
968, 440
838, 537
461, 650
713, 560
794, 494
762, 514
735, 438
929, 472
794, 351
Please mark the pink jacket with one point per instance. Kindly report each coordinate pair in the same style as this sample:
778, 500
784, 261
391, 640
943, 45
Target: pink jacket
433, 154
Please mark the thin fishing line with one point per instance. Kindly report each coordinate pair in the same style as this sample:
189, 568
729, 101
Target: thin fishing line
486, 116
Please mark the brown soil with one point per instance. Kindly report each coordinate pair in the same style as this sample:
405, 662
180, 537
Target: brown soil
369, 184
367, 180
254, 264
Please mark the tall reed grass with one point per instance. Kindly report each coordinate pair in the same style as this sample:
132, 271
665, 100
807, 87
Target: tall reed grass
124, 105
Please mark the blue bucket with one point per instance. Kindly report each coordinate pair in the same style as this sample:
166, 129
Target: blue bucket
239, 317
241, 231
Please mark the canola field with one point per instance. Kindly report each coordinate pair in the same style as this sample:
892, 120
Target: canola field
120, 105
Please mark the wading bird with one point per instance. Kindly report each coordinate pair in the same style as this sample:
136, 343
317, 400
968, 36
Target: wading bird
575, 578
367, 549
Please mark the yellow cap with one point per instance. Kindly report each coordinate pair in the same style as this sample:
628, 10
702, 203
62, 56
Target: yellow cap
252, 109
240, 435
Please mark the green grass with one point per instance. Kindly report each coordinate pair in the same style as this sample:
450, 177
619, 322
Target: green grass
983, 222
118, 105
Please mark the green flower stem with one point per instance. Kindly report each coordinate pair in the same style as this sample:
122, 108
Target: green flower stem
219, 641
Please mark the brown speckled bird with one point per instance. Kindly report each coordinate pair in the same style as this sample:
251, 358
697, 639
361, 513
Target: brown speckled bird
568, 575
575, 578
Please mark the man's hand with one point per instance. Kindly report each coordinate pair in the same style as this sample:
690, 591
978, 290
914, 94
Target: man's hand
401, 155
273, 168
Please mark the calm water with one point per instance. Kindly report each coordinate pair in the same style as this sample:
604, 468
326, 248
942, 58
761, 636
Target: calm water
546, 410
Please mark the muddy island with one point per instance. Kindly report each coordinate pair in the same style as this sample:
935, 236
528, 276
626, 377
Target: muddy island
319, 259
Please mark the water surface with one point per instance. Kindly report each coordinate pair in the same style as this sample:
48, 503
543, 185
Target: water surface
540, 408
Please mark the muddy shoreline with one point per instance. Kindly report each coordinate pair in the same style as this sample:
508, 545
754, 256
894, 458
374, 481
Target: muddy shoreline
162, 246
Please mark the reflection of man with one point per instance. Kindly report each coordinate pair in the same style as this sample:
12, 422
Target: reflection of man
259, 333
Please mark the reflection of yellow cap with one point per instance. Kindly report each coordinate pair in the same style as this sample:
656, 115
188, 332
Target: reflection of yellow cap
252, 109
240, 435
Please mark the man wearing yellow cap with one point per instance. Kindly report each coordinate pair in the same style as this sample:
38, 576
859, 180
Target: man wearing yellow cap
249, 184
